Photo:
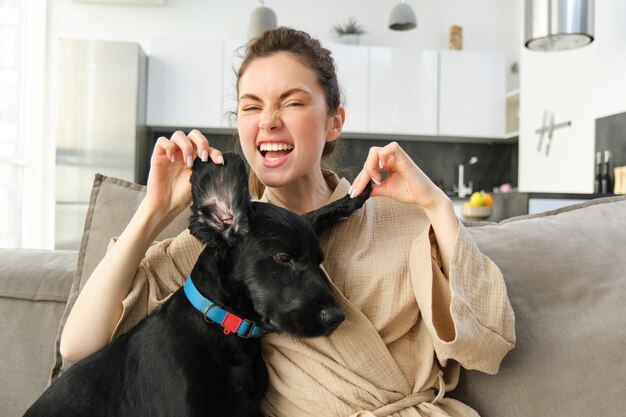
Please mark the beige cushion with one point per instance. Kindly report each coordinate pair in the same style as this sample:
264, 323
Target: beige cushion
34, 285
112, 204
566, 275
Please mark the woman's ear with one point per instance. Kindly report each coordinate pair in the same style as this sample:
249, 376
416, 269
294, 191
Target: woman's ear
336, 124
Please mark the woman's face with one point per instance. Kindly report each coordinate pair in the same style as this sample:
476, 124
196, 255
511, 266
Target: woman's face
283, 120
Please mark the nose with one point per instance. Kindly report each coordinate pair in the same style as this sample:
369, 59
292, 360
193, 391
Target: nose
269, 119
332, 317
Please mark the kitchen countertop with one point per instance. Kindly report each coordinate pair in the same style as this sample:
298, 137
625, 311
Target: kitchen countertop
506, 205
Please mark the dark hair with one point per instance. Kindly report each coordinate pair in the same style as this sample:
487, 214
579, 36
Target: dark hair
311, 53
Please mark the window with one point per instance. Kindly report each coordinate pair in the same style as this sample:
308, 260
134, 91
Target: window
22, 173
11, 151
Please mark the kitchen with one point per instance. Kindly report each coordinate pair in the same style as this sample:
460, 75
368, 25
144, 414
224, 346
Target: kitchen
484, 103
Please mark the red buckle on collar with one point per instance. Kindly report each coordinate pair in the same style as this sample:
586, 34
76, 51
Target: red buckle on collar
231, 323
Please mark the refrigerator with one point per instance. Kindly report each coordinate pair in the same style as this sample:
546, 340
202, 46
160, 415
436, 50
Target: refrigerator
100, 126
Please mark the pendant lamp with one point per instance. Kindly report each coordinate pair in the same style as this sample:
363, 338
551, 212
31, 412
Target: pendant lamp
558, 25
261, 19
402, 17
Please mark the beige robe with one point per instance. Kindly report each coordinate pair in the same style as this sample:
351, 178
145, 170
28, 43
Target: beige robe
407, 328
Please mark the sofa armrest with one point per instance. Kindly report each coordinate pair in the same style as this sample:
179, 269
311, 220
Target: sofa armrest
34, 287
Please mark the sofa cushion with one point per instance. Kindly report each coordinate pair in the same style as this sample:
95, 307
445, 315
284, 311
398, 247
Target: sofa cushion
112, 204
34, 286
566, 276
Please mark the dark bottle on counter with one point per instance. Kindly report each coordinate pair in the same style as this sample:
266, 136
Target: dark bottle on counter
606, 185
597, 183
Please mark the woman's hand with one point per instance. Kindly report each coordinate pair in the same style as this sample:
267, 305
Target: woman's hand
405, 181
169, 190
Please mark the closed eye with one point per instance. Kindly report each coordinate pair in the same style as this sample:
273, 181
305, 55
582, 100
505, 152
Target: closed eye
283, 258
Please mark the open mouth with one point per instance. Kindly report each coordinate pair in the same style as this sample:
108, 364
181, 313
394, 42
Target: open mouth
274, 151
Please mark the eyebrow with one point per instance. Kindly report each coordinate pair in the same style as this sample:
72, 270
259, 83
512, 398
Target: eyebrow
282, 96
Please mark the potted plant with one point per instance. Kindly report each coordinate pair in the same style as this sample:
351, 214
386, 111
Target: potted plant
350, 31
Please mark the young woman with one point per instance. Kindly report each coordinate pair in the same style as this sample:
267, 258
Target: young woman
419, 297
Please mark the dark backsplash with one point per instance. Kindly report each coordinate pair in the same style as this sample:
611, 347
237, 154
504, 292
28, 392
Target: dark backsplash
611, 135
497, 162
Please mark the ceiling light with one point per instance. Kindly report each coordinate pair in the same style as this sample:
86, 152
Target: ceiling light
558, 25
262, 19
402, 17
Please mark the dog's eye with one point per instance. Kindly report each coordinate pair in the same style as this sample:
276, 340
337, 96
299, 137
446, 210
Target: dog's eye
282, 258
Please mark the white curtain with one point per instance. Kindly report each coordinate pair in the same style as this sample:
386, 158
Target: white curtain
22, 74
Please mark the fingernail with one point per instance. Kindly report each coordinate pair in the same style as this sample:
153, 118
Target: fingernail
350, 190
204, 156
189, 161
353, 193
173, 158
380, 164
220, 159
375, 181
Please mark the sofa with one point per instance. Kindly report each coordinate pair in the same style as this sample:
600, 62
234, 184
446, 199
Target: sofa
565, 272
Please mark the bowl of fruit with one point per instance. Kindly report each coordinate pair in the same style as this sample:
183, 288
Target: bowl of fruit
479, 206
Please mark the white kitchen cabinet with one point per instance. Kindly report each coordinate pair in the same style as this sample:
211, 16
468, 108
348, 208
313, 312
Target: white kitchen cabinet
352, 64
403, 84
185, 83
192, 84
472, 94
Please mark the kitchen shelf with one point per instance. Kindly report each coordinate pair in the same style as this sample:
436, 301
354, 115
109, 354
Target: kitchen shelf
512, 114
512, 96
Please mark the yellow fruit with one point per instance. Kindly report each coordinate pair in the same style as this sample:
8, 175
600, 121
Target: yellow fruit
476, 199
488, 200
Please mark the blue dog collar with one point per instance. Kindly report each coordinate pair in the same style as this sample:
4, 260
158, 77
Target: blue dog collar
212, 312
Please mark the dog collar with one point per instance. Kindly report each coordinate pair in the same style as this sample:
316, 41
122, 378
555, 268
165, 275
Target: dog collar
212, 312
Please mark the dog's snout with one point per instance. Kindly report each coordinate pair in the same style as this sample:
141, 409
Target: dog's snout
332, 317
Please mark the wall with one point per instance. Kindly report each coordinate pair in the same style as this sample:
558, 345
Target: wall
509, 30
212, 18
580, 86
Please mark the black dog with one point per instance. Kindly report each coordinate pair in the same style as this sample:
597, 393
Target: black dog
260, 263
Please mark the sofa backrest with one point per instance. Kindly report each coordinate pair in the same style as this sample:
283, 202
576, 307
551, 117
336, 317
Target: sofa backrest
566, 276
112, 204
34, 287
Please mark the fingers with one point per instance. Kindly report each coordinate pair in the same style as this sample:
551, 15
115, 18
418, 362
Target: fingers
163, 145
188, 147
378, 159
203, 149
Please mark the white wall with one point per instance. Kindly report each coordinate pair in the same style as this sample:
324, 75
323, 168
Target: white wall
228, 19
509, 34
580, 86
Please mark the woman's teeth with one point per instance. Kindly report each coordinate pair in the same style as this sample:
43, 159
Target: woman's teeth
275, 147
274, 151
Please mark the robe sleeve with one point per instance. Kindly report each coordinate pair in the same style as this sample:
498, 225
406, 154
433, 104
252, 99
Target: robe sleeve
162, 271
468, 313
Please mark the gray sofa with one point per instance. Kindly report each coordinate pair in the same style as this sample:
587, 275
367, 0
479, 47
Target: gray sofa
565, 272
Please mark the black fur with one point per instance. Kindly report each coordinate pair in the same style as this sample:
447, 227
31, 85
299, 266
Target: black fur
260, 262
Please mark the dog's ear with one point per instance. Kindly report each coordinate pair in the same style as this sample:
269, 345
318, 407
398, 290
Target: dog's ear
325, 217
219, 210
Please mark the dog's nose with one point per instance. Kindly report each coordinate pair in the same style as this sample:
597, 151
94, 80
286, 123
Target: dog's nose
332, 317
